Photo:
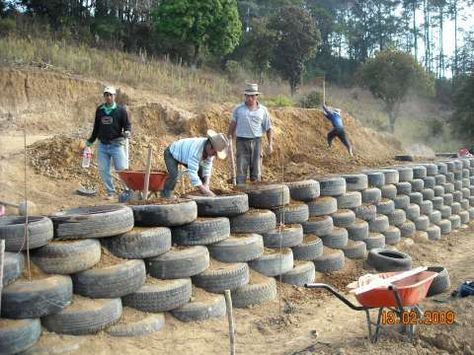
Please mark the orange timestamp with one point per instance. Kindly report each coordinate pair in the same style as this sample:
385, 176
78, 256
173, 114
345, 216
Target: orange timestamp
412, 317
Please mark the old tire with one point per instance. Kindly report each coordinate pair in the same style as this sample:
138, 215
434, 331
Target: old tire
160, 296
18, 335
149, 324
220, 277
273, 262
292, 213
38, 298
13, 264
84, 317
285, 237
238, 248
67, 257
111, 281
302, 273
12, 230
140, 243
202, 231
179, 263
322, 206
260, 289
202, 306
310, 248
386, 260
253, 221
92, 222
165, 215
355, 249
221, 205
331, 260
305, 190
268, 196
440, 283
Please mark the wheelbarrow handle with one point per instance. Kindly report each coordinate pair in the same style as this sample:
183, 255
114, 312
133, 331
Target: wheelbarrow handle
337, 294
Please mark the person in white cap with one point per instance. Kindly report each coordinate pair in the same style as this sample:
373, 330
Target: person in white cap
112, 127
197, 155
334, 115
250, 121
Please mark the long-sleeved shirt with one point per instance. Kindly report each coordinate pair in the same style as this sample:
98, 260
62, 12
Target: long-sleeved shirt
109, 124
334, 117
188, 151
251, 123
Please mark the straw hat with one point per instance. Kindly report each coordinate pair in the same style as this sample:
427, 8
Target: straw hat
251, 89
110, 90
337, 110
219, 143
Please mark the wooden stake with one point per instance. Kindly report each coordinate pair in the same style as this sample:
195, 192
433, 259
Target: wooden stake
2, 253
230, 319
324, 90
232, 162
147, 174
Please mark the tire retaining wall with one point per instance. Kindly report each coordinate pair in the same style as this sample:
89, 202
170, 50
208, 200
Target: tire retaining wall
241, 242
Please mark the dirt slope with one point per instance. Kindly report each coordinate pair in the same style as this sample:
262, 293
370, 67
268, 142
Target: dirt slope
61, 105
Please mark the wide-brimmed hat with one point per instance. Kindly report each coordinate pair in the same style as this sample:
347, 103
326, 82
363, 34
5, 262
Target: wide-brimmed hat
219, 142
110, 90
251, 89
337, 110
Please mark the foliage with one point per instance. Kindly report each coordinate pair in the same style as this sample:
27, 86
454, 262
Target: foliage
312, 100
7, 25
390, 75
279, 101
212, 24
296, 41
463, 117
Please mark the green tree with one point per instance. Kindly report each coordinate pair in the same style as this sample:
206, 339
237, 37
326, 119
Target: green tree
296, 41
390, 76
463, 117
202, 24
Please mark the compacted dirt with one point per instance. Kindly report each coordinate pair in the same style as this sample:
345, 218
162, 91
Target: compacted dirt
56, 112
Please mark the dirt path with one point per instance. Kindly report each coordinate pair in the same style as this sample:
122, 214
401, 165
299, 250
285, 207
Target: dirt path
307, 322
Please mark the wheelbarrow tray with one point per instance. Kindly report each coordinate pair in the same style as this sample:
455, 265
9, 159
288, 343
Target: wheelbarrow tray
135, 179
411, 291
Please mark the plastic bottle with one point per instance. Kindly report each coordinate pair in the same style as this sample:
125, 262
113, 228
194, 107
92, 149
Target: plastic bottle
86, 157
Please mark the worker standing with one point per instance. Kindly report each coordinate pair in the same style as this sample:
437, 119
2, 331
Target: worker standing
250, 120
197, 155
112, 127
334, 115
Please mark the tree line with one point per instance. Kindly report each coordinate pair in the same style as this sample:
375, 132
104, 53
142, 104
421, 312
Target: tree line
347, 41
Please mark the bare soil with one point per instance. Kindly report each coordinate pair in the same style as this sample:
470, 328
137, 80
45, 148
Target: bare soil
56, 112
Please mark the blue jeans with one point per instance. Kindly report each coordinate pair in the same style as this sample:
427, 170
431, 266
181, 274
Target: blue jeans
105, 152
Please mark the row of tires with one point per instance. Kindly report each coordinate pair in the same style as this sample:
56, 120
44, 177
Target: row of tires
298, 252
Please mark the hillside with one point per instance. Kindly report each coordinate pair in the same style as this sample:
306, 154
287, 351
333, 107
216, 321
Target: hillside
57, 109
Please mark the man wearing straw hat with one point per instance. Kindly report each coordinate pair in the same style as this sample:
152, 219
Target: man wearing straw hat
334, 115
197, 155
250, 120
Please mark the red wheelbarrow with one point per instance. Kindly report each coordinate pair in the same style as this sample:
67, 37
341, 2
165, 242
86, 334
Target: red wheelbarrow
135, 179
398, 292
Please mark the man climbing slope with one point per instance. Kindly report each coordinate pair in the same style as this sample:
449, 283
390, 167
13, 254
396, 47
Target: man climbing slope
334, 116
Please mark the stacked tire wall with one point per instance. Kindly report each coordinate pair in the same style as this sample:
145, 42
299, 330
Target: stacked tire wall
198, 247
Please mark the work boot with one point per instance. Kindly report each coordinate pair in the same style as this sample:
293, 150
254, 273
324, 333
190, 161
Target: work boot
350, 152
110, 197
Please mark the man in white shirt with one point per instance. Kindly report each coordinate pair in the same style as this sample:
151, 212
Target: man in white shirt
197, 155
250, 120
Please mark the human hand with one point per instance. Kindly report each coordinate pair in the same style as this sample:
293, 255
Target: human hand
127, 134
270, 149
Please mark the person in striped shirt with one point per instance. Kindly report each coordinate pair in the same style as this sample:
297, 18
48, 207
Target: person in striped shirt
250, 121
197, 155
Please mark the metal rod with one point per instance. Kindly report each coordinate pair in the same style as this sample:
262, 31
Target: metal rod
337, 294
